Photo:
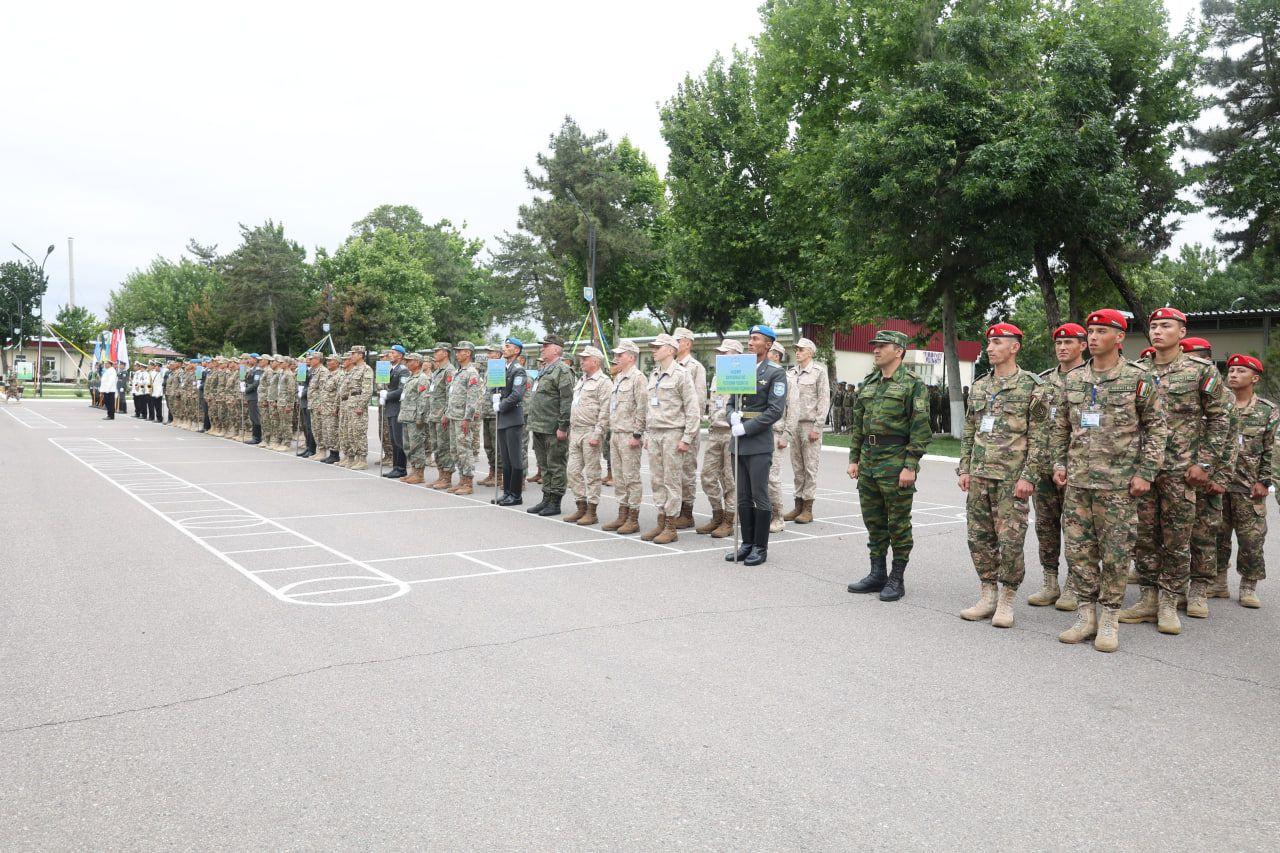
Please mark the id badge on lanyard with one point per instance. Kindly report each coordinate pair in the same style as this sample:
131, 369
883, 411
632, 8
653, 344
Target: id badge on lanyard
1091, 417
989, 420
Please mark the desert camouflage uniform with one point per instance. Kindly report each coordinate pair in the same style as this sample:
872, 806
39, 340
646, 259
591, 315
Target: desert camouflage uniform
588, 420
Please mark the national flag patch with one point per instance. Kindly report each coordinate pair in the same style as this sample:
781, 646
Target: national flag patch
1142, 387
1210, 382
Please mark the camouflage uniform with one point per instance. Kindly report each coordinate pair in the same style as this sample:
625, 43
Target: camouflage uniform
546, 409
1211, 508
1048, 497
689, 478
1002, 442
1194, 399
358, 390
315, 403
1244, 515
465, 394
671, 417
717, 459
896, 408
414, 402
588, 420
329, 407
438, 404
1109, 428
628, 408
287, 394
807, 405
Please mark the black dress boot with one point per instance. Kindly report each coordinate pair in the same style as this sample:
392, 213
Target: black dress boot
896, 587
875, 581
746, 520
537, 508
760, 547
332, 458
553, 505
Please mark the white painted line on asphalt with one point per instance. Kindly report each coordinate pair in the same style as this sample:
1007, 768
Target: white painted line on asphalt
272, 482
260, 550
366, 512
16, 418
477, 560
49, 423
571, 553
305, 566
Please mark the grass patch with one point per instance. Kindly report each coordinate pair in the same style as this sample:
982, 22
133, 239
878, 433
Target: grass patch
941, 445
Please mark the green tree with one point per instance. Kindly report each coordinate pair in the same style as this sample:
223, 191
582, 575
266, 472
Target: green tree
399, 218
266, 279
79, 326
529, 277
21, 287
156, 303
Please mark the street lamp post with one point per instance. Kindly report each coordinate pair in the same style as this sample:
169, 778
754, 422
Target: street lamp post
39, 340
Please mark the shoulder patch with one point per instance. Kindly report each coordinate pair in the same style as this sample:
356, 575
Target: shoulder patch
519, 380
779, 388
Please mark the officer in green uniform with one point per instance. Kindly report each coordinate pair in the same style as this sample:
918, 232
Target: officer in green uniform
888, 435
547, 417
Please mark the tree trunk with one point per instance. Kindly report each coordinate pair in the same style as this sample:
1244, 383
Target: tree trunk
1127, 293
1048, 290
271, 321
951, 359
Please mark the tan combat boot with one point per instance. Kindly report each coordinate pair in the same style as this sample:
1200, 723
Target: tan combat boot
572, 518
985, 607
464, 486
1198, 600
414, 478
632, 524
668, 535
684, 520
1048, 594
725, 529
488, 480
806, 513
1004, 608
359, 463
775, 524
650, 535
795, 513
1167, 613
608, 479
619, 522
1144, 609
717, 516
1219, 588
1108, 639
589, 517
445, 481
1085, 628
1249, 594
1067, 601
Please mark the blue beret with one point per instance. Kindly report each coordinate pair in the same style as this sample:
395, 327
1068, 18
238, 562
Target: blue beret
762, 329
516, 342
399, 349
254, 355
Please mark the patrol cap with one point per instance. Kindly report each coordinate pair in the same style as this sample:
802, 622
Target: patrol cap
1241, 360
494, 347
245, 355
357, 348
1004, 330
682, 334
762, 329
805, 343
413, 356
888, 336
442, 345
626, 345
1168, 313
729, 345
553, 340
334, 356
465, 345
399, 349
1193, 344
777, 347
1070, 330
311, 354
663, 340
515, 342
590, 352
1108, 317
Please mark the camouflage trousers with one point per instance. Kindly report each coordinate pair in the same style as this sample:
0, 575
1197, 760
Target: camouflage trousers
1247, 518
1097, 527
1048, 504
1204, 536
689, 470
583, 466
718, 470
464, 446
804, 460
441, 446
328, 435
886, 513
384, 436
775, 475
490, 426
354, 428
1166, 514
997, 530
626, 471
415, 444
666, 467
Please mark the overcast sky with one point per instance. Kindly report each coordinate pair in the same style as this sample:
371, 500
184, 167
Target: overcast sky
134, 126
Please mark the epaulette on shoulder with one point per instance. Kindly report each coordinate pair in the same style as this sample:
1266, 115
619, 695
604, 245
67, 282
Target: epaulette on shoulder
1035, 377
1264, 401
1044, 374
1145, 368
1198, 360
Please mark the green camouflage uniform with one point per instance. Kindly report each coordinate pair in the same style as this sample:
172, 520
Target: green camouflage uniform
1048, 497
465, 393
1210, 508
897, 407
545, 411
1194, 398
1109, 428
1002, 444
413, 414
437, 432
1243, 515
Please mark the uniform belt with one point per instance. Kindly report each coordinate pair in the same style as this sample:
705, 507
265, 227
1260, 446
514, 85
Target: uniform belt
877, 440
747, 416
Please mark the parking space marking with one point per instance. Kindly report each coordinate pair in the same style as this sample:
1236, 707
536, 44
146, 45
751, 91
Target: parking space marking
49, 423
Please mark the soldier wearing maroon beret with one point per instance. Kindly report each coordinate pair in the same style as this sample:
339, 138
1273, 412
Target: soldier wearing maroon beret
1244, 505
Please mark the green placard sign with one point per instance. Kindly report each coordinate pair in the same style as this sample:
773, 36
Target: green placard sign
199, 372
496, 374
24, 371
735, 374
242, 373
382, 373
302, 373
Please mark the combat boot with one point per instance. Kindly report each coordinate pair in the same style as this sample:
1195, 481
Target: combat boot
608, 479
332, 459
684, 520
464, 486
589, 517
415, 477
540, 505
725, 529
632, 524
895, 587
573, 517
1145, 609
669, 533
1085, 628
795, 513
1219, 588
1108, 639
553, 506
775, 523
1249, 594
875, 581
359, 463
617, 524
1167, 613
650, 535
985, 607
1067, 602
1197, 601
717, 516
1048, 594
1004, 608
806, 513
488, 480
445, 481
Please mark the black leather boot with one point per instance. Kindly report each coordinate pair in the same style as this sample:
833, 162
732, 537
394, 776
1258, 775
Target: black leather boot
746, 520
332, 458
537, 508
760, 547
552, 506
875, 581
896, 587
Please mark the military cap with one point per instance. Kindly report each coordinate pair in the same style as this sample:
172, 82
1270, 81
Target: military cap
1168, 313
590, 352
1146, 352
777, 347
1109, 317
729, 345
494, 347
763, 329
1004, 330
311, 354
334, 356
682, 334
1193, 344
442, 345
626, 345
245, 355
1241, 360
515, 342
413, 356
553, 340
1070, 330
357, 348
888, 336
399, 349
805, 343
465, 345
663, 340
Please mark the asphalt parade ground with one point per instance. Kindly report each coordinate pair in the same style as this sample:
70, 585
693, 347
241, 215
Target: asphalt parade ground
211, 645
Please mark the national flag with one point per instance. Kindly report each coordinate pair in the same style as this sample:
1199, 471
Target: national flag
1210, 382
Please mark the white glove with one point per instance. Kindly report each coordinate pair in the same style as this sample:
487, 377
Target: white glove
497, 399
735, 418
241, 387
303, 389
738, 429
382, 398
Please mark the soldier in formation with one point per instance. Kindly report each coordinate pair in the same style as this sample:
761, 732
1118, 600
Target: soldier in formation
462, 416
588, 425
